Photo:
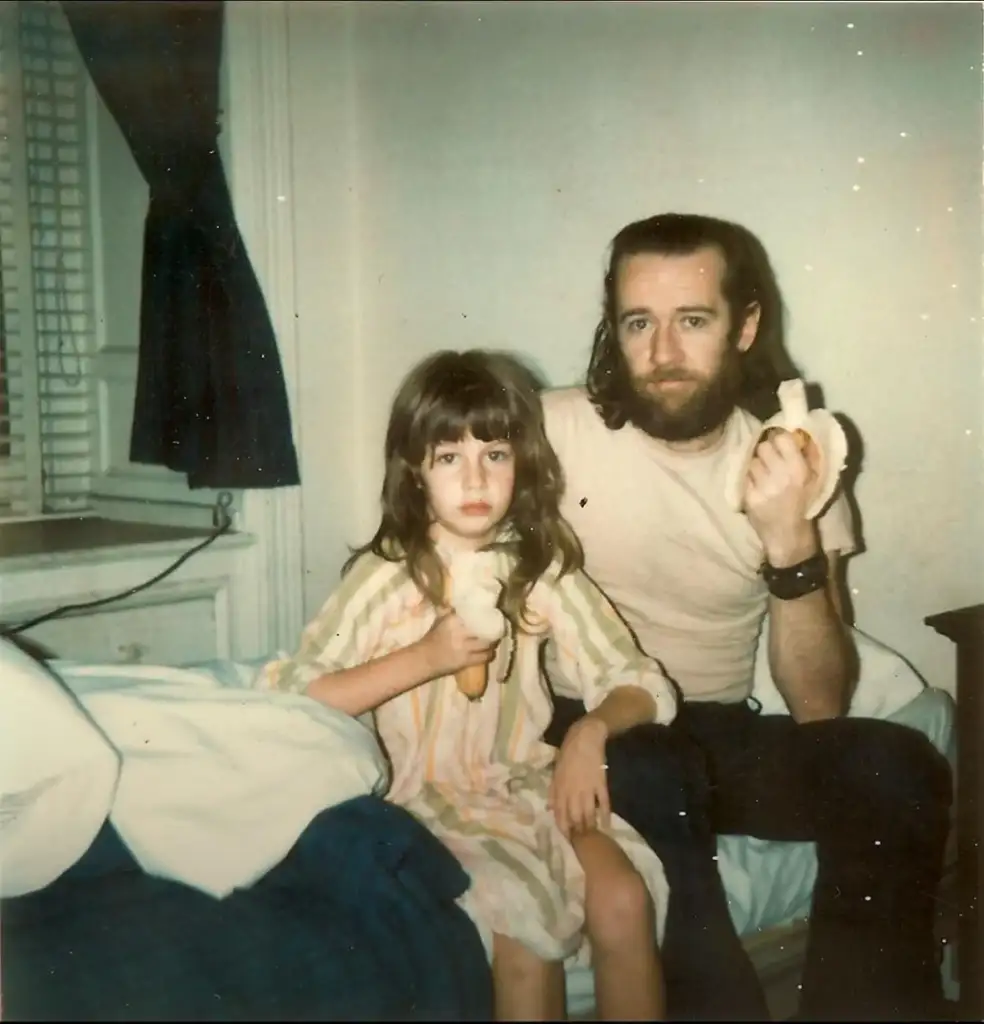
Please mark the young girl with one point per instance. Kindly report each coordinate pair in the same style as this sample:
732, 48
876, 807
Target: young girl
470, 495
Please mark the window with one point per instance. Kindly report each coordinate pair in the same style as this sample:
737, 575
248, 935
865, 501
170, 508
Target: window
48, 423
72, 210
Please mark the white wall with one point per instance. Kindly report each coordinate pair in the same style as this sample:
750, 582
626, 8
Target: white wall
460, 168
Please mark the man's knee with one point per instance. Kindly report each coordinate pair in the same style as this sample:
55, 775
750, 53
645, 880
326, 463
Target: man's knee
890, 768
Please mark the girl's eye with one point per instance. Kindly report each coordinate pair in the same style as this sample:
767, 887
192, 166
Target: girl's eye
638, 324
500, 454
445, 457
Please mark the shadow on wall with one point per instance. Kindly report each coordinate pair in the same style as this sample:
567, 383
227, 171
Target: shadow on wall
855, 457
534, 368
849, 477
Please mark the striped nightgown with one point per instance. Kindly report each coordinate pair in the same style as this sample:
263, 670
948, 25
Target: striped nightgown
477, 773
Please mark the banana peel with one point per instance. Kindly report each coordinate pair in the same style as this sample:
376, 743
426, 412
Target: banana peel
818, 436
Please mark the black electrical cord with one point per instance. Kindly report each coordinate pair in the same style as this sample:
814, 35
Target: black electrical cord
65, 609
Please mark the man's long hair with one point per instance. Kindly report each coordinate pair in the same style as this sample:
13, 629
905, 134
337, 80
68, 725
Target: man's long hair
748, 281
493, 397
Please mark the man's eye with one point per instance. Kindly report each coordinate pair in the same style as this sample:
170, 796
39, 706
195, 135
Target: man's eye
696, 322
639, 324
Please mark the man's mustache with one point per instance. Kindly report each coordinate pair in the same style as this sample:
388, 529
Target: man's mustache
668, 376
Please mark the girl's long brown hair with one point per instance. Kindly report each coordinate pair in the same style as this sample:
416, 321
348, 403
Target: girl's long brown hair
493, 397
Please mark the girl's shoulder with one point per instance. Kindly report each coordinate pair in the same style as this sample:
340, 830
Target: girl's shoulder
558, 574
552, 585
372, 576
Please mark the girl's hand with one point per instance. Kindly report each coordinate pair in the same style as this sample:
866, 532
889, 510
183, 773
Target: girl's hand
579, 789
450, 647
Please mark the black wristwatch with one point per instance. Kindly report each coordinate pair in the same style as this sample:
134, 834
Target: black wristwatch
794, 581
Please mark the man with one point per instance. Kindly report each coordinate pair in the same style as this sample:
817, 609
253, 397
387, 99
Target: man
689, 346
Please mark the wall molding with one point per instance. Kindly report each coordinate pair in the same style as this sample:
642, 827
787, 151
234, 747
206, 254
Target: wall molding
257, 149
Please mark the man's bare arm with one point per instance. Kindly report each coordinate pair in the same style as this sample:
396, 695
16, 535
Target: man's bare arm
811, 653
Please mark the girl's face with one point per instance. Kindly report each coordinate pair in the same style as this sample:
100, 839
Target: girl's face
469, 485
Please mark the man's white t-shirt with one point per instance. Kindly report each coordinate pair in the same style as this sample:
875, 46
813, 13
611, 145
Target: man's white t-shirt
681, 567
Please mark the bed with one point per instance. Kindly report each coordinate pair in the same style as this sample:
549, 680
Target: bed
222, 858
336, 906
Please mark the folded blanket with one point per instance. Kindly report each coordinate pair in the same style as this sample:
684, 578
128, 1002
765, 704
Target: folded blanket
218, 782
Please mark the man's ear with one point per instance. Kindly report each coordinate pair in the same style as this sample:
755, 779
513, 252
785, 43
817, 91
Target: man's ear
749, 329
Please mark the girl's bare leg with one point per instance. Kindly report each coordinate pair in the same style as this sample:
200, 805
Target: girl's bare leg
526, 987
620, 922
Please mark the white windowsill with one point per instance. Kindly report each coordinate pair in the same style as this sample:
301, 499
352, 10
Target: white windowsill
61, 542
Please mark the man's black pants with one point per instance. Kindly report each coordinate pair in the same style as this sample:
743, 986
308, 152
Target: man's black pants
873, 795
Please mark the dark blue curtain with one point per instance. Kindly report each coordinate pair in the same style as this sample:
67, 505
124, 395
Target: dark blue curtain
210, 400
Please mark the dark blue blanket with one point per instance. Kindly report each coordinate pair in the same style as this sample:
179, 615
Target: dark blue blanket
357, 923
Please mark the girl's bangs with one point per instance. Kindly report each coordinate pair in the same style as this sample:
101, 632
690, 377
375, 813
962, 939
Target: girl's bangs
482, 409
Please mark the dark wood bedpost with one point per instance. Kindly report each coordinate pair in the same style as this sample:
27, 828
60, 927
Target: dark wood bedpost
965, 627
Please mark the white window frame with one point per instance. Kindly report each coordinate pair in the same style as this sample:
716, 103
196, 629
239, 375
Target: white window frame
53, 418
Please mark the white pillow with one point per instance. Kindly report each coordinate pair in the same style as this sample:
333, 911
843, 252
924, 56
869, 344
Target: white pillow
886, 681
58, 775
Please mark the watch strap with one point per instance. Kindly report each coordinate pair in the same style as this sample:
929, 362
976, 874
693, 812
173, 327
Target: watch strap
789, 582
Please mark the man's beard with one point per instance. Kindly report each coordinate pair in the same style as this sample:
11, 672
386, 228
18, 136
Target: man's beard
707, 408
